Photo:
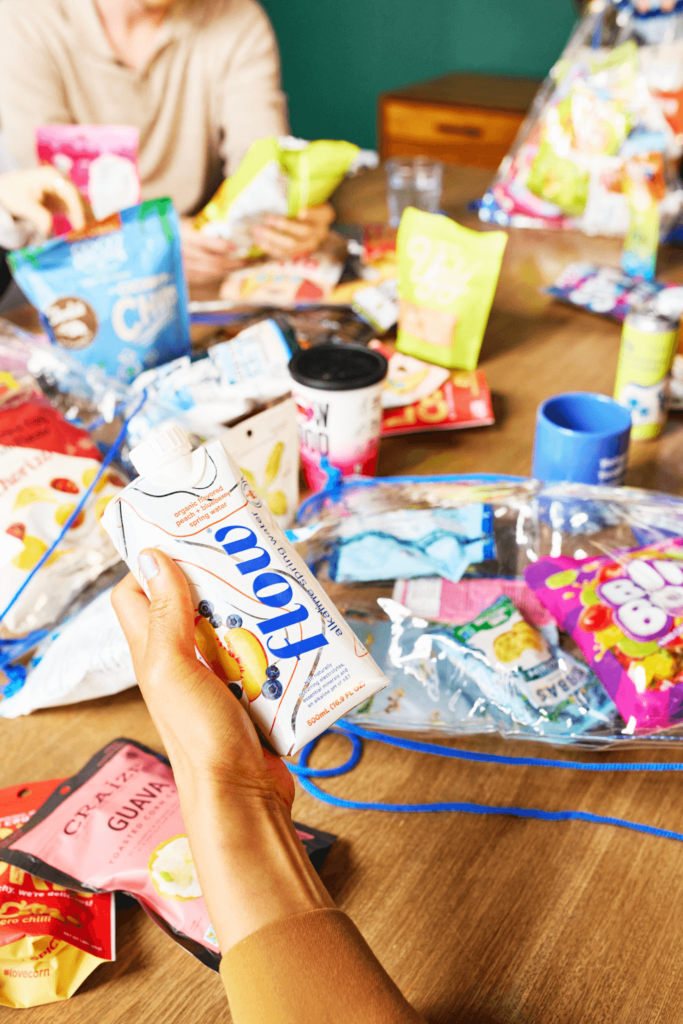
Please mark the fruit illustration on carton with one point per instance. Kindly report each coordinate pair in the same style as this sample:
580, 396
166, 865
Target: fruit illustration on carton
237, 656
262, 624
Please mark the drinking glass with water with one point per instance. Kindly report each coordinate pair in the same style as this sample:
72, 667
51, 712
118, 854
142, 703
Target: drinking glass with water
413, 181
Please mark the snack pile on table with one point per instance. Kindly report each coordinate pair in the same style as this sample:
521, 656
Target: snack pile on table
551, 613
606, 119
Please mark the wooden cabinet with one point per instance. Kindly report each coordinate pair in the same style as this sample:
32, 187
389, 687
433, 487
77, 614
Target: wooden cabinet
461, 119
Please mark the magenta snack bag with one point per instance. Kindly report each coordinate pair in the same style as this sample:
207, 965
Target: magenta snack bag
100, 159
626, 615
117, 826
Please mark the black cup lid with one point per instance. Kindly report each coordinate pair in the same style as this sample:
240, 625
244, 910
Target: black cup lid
332, 367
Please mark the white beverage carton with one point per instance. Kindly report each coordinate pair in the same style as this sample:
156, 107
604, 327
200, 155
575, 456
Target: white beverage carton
262, 623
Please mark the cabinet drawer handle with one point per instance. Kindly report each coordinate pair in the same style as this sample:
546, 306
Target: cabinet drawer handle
460, 129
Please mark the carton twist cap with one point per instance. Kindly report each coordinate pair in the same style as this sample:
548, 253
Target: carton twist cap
160, 449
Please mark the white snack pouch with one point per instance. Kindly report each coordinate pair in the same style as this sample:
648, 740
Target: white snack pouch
39, 490
271, 466
84, 658
263, 624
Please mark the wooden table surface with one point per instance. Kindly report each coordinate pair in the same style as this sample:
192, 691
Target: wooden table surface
484, 920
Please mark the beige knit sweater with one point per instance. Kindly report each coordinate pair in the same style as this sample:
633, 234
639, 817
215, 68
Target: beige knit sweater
209, 89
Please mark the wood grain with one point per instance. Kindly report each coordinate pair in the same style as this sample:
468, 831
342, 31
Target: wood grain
481, 920
458, 118
494, 92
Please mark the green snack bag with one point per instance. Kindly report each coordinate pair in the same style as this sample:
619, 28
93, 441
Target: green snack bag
559, 181
447, 277
279, 176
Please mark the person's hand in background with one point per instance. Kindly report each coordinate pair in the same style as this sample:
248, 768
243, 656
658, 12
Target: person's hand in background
286, 237
235, 796
206, 259
36, 194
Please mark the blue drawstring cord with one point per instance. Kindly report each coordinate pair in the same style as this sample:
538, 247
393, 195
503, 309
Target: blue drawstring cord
356, 734
111, 454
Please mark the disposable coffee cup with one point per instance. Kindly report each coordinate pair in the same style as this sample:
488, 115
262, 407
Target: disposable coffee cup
583, 438
338, 395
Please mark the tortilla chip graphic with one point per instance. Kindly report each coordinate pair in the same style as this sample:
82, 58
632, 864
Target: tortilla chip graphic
433, 326
172, 870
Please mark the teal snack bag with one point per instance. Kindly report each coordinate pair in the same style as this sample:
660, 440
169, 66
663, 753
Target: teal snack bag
447, 277
113, 294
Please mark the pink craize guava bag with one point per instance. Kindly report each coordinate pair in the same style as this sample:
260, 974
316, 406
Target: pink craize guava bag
117, 826
100, 159
626, 615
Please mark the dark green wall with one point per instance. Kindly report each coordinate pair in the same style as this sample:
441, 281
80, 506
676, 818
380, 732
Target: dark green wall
338, 55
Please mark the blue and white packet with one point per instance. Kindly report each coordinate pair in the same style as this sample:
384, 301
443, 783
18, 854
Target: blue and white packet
431, 653
255, 362
114, 294
407, 543
204, 394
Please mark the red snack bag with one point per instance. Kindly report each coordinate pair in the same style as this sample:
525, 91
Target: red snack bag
27, 420
51, 938
117, 825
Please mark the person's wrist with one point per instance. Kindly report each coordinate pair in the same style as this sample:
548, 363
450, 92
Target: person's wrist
252, 867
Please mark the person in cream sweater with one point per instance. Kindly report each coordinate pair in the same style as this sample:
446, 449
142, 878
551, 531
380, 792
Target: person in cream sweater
199, 79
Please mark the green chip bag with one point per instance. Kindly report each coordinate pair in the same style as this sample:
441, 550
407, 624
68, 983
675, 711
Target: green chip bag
277, 175
447, 277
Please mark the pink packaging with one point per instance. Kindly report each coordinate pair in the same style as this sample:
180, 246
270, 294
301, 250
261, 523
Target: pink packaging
100, 159
626, 614
430, 597
117, 825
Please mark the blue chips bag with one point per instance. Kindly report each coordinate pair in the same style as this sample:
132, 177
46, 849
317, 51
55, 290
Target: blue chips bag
113, 294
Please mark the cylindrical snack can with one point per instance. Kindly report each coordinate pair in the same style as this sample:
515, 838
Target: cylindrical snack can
648, 343
338, 395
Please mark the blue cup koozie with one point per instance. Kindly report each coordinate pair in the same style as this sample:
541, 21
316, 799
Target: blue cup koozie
583, 438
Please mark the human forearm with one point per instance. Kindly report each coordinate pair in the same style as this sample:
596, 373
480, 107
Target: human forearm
288, 954
251, 865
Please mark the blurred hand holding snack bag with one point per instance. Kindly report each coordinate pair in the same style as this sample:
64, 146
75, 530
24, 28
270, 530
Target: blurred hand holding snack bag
568, 166
295, 281
447, 277
113, 294
278, 175
51, 938
100, 159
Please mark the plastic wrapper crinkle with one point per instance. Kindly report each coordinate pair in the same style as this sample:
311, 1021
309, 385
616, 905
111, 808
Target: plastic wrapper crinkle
203, 395
505, 676
278, 175
85, 657
616, 90
625, 611
41, 485
456, 688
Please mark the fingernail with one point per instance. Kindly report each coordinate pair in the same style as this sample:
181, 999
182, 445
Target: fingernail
148, 566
